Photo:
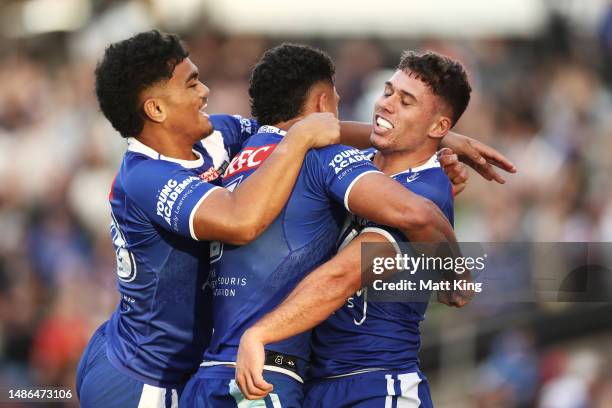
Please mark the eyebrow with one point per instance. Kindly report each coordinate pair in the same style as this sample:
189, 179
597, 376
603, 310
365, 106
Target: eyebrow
192, 76
404, 93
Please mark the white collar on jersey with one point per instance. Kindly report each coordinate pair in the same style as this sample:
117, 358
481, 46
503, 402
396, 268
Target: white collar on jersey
136, 146
271, 129
430, 164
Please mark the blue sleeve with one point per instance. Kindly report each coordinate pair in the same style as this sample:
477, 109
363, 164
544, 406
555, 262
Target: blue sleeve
338, 168
235, 131
168, 194
432, 184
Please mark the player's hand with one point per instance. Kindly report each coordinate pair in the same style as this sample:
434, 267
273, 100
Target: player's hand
456, 297
455, 170
318, 129
249, 367
479, 156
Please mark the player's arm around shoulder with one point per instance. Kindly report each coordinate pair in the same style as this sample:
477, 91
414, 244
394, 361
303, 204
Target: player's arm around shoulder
385, 201
240, 216
315, 298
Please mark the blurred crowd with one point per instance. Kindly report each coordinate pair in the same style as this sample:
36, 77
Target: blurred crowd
517, 374
545, 102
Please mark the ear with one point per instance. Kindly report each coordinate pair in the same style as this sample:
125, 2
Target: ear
440, 127
154, 110
323, 102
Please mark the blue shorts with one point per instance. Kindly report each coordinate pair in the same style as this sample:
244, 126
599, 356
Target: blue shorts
99, 384
216, 387
377, 389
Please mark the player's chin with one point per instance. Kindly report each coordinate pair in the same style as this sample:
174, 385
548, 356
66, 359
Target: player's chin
206, 128
379, 142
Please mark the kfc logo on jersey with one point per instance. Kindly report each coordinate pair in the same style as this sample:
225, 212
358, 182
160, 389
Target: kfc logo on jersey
248, 159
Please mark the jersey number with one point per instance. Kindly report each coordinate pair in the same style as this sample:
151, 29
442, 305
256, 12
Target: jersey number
126, 267
216, 247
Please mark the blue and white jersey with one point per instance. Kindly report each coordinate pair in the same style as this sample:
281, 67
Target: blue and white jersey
163, 320
364, 336
251, 280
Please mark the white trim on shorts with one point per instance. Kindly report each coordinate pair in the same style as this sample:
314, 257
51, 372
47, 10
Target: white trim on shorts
362, 371
266, 367
155, 397
409, 390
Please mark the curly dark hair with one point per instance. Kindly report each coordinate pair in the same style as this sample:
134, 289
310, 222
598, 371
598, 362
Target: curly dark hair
445, 77
282, 79
130, 66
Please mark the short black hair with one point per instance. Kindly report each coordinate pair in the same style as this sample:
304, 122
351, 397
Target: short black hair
128, 67
445, 77
282, 79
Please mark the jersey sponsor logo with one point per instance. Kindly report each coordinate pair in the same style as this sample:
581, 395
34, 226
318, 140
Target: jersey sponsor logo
210, 175
272, 129
248, 159
345, 158
168, 195
225, 286
245, 125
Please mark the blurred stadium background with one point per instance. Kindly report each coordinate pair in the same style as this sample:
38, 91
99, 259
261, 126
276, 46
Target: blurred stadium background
541, 72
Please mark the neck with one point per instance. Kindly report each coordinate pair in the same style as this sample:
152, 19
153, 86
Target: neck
286, 124
174, 146
391, 162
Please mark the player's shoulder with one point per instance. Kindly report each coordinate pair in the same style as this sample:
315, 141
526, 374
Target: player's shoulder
138, 169
338, 153
430, 172
428, 180
136, 162
224, 121
434, 176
